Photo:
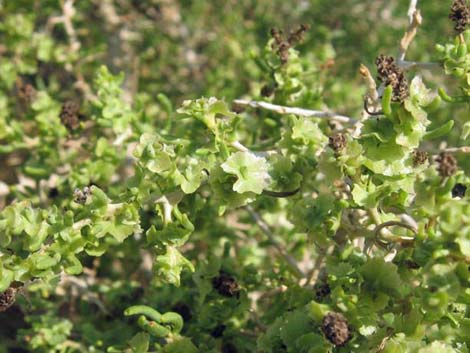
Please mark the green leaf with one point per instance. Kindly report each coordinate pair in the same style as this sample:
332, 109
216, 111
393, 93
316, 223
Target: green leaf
181, 345
169, 266
6, 277
205, 110
252, 172
308, 132
296, 324
465, 131
437, 347
382, 276
140, 343
440, 131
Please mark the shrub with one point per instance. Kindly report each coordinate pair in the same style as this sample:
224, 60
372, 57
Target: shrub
270, 223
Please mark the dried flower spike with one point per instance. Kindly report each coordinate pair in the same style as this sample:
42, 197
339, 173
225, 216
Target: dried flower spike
335, 328
226, 285
460, 15
391, 75
447, 164
297, 36
283, 45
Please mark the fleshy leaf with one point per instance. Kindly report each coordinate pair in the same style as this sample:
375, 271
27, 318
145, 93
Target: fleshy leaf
170, 265
252, 172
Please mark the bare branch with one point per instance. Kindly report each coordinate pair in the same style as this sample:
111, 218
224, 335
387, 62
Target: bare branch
412, 10
267, 231
370, 82
409, 35
408, 65
462, 149
293, 110
415, 21
394, 223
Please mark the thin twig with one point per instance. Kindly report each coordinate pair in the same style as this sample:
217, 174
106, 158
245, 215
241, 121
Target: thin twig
408, 65
463, 149
242, 148
371, 85
379, 227
366, 108
281, 194
318, 265
415, 21
294, 110
372, 96
68, 12
267, 231
409, 35
412, 10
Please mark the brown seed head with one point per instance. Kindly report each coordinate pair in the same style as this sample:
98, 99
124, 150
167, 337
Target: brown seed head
183, 309
70, 115
7, 299
335, 328
447, 164
267, 91
283, 44
226, 285
228, 347
26, 92
337, 142
391, 75
81, 195
460, 15
419, 157
322, 290
459, 190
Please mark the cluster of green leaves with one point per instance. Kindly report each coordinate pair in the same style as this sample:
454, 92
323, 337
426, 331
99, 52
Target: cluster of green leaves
144, 228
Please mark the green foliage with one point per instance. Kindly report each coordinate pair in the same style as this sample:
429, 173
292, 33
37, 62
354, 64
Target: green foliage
141, 211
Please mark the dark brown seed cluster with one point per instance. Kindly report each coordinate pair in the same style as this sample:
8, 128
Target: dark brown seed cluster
391, 75
419, 157
412, 265
218, 331
322, 290
7, 299
70, 115
26, 92
81, 195
184, 310
228, 347
337, 142
283, 44
335, 328
459, 190
460, 15
267, 90
447, 164
53, 193
226, 285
